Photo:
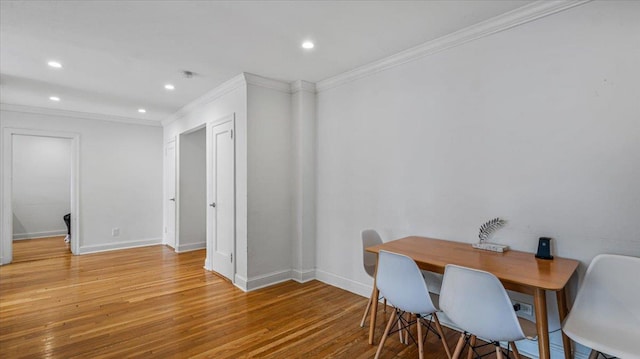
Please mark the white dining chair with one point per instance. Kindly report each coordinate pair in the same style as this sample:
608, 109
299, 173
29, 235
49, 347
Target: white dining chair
606, 313
477, 303
400, 281
370, 238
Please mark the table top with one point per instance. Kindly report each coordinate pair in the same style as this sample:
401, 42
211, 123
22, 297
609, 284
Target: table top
515, 269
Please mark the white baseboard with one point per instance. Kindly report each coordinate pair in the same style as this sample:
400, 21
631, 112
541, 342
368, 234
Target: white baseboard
344, 283
303, 276
119, 245
22, 236
268, 279
240, 282
181, 248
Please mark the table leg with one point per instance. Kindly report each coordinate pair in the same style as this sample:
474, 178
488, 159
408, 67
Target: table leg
563, 310
542, 324
374, 312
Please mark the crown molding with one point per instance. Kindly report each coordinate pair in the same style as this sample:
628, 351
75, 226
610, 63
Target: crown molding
77, 114
257, 80
508, 20
301, 85
212, 95
244, 78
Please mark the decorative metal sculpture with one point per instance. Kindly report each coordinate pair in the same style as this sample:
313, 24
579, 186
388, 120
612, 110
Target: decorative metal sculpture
489, 227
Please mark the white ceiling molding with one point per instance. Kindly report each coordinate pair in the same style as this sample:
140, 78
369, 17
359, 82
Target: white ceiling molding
78, 115
496, 24
212, 95
267, 83
230, 85
301, 85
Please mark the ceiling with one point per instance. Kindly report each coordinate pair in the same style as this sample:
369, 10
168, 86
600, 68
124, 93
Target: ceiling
118, 55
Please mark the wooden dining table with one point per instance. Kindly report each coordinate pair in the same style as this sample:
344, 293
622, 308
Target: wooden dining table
518, 271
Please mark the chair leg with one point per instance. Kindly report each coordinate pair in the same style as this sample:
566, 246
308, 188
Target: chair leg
472, 343
420, 343
441, 332
385, 305
594, 354
459, 347
386, 333
499, 352
400, 329
366, 311
514, 349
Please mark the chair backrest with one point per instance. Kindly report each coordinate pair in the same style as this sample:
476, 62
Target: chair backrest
477, 302
609, 297
400, 281
370, 238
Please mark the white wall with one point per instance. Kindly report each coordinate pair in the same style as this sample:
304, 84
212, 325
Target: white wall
269, 182
193, 190
120, 178
539, 125
303, 152
41, 186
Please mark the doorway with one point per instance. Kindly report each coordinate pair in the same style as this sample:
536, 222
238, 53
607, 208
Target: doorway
39, 188
192, 189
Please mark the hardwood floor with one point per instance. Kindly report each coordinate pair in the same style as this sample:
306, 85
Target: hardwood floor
152, 302
40, 248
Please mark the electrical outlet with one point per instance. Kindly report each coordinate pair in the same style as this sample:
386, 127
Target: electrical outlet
115, 232
524, 308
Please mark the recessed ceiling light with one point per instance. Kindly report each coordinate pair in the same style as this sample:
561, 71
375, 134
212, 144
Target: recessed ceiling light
54, 98
169, 87
307, 45
55, 64
142, 110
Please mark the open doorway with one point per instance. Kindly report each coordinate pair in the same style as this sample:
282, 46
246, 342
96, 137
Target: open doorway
192, 190
39, 195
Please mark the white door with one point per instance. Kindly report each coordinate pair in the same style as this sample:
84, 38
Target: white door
221, 196
170, 160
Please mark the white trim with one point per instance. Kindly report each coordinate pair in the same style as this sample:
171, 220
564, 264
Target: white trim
120, 245
344, 283
78, 115
240, 282
303, 276
190, 247
6, 197
35, 235
302, 85
210, 96
268, 279
519, 16
265, 82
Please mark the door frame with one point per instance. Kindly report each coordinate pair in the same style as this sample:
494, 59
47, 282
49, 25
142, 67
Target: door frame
175, 192
208, 263
6, 212
178, 140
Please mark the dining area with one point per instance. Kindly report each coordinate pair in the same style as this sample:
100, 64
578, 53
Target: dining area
429, 283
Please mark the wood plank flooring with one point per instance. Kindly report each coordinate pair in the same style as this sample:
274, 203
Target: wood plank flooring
25, 250
151, 302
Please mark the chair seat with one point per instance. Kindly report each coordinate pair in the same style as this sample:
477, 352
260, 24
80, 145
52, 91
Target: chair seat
606, 337
605, 315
